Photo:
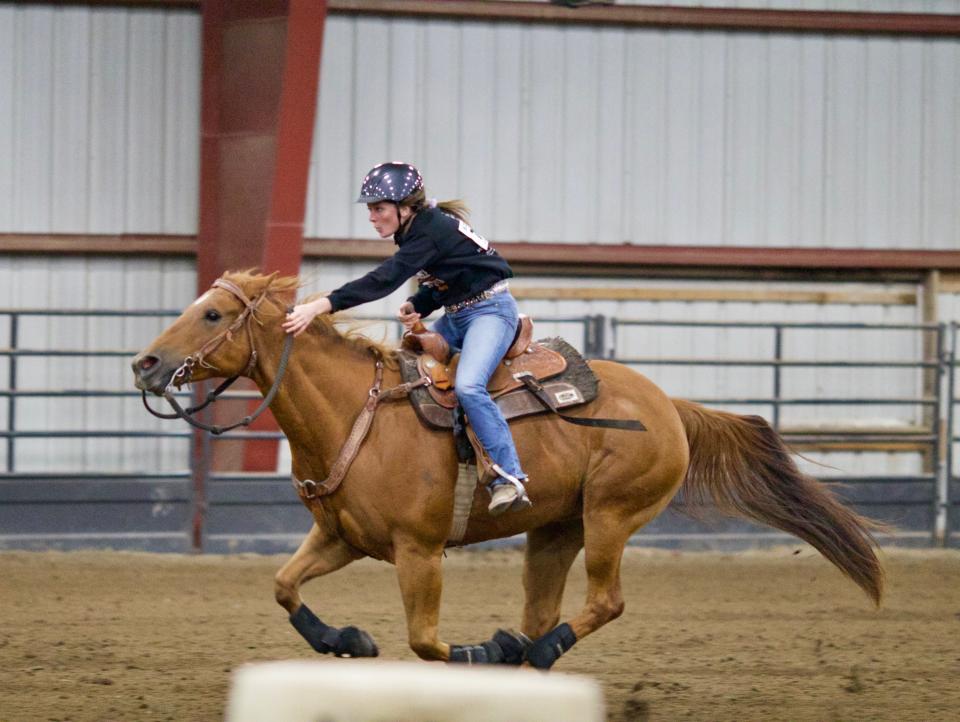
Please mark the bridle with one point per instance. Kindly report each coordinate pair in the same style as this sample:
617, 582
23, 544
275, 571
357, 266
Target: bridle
184, 373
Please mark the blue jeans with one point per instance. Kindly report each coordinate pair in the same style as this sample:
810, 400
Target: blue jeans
483, 332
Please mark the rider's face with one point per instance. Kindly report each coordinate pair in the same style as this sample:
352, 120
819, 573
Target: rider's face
383, 216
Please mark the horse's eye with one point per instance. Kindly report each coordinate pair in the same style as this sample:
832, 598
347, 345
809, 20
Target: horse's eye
212, 315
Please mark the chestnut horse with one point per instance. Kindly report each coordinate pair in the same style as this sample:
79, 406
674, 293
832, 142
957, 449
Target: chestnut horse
591, 488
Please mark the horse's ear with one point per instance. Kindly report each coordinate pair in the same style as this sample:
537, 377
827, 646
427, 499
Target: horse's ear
264, 282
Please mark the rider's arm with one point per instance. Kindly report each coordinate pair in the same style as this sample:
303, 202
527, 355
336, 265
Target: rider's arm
415, 253
423, 301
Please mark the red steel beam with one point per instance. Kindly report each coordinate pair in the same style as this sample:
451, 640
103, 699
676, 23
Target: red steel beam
261, 61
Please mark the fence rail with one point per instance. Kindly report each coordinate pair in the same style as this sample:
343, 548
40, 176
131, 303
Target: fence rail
39, 505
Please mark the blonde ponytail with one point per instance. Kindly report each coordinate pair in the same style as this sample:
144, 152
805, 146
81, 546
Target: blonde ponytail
418, 201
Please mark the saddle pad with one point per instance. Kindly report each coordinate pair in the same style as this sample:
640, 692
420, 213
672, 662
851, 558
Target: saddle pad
576, 385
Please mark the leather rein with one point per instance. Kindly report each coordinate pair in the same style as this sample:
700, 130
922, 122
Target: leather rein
183, 374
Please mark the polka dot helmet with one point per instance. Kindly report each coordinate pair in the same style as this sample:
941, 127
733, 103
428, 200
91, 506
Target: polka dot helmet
390, 182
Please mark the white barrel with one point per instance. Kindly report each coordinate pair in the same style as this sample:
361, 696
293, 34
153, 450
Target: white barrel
360, 690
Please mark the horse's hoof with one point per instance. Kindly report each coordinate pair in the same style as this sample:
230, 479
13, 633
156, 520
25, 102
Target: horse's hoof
354, 642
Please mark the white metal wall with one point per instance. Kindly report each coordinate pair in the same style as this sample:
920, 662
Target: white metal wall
100, 127
584, 134
552, 133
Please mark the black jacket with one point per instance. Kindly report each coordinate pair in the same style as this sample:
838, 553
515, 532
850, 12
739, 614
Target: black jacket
448, 258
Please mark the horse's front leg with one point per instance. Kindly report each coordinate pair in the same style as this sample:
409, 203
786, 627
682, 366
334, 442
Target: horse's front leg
421, 582
319, 554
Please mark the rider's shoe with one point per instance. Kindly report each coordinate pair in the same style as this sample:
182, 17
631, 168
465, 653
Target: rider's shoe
502, 497
507, 493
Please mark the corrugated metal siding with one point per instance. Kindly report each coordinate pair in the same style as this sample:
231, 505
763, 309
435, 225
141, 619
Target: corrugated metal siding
645, 136
553, 133
101, 129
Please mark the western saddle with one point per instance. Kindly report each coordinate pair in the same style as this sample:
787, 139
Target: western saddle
524, 357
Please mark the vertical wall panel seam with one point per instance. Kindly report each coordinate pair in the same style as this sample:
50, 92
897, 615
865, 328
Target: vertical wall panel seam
55, 146
391, 92
626, 233
354, 99
165, 163
729, 53
524, 132
494, 125
663, 151
124, 169
926, 106
597, 160
14, 121
893, 126
461, 70
88, 156
763, 158
824, 144
696, 130
562, 130
956, 152
861, 151
794, 187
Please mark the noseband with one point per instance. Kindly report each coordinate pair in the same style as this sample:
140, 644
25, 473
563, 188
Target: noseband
184, 374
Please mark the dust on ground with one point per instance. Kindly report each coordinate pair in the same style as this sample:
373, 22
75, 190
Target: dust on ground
775, 635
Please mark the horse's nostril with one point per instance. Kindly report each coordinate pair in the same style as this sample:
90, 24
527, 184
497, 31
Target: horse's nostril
148, 362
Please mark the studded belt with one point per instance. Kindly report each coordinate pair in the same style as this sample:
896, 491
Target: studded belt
496, 288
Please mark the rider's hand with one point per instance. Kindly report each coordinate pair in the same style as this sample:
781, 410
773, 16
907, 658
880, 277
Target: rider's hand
301, 315
407, 316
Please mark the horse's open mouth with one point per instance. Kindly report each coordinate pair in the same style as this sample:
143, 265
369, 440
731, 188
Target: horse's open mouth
150, 374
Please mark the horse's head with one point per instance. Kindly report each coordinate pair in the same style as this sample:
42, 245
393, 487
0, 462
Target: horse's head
212, 337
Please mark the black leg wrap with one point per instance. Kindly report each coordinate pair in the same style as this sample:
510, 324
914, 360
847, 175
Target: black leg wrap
346, 642
318, 634
551, 646
484, 653
513, 644
506, 647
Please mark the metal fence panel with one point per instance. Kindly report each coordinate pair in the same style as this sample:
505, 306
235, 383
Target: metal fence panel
130, 502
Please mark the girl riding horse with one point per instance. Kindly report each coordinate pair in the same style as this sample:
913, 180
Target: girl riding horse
459, 270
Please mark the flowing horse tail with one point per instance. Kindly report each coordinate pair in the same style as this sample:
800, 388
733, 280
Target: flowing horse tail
744, 466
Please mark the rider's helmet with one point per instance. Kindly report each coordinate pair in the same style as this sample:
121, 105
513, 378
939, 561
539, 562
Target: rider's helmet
390, 182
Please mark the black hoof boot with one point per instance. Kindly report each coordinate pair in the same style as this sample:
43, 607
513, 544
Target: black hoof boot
506, 647
353, 642
346, 642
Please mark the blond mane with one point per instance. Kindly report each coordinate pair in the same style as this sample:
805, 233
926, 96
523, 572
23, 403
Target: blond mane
282, 290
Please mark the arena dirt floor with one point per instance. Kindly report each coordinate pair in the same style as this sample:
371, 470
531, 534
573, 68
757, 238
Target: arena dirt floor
774, 635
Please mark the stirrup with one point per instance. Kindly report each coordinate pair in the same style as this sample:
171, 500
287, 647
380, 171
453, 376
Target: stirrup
508, 495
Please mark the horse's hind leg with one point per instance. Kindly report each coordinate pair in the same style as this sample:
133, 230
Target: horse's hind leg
605, 535
550, 552
320, 553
